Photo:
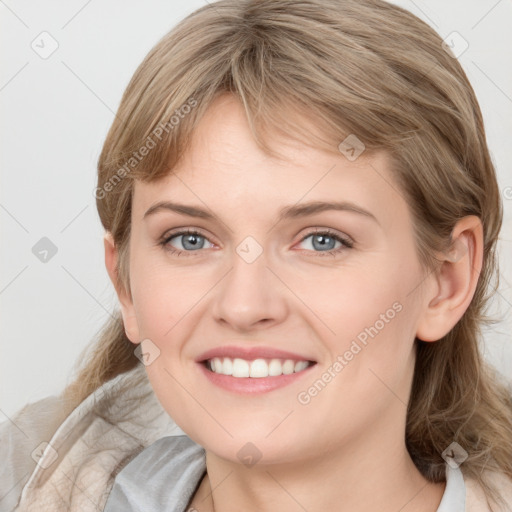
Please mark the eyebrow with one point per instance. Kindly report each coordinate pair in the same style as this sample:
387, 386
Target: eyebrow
289, 212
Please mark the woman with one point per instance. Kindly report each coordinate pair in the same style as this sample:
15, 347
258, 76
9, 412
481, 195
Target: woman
301, 215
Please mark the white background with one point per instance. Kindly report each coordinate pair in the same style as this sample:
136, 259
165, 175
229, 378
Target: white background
55, 116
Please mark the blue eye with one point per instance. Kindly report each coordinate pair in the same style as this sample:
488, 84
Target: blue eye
322, 243
190, 240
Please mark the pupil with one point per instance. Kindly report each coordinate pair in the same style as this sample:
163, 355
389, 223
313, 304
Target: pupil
323, 241
192, 240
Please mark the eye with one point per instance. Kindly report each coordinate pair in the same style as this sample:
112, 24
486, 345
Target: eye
190, 240
324, 242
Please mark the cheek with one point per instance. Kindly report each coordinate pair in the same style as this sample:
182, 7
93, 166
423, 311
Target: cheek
349, 298
375, 339
163, 296
367, 316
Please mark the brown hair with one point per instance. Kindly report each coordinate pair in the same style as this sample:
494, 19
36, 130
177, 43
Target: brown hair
367, 68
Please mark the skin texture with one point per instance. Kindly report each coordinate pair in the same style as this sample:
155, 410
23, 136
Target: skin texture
345, 449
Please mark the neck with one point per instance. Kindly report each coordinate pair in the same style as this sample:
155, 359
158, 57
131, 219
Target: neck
377, 474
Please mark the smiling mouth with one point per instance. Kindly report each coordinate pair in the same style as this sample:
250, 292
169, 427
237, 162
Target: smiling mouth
257, 368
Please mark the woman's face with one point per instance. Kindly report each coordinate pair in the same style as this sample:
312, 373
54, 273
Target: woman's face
256, 276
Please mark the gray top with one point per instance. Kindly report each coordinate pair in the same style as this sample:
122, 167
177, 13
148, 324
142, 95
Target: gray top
165, 475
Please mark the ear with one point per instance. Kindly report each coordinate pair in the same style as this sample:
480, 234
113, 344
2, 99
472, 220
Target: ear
127, 310
454, 283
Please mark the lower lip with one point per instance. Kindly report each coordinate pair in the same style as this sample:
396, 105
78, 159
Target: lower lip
252, 385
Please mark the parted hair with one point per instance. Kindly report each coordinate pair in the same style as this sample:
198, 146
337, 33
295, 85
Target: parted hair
361, 67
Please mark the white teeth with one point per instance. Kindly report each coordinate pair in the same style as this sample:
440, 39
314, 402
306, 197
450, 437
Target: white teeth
300, 365
275, 368
240, 368
227, 366
216, 365
288, 367
256, 369
259, 368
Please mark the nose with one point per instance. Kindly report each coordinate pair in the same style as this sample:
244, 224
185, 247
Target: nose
250, 296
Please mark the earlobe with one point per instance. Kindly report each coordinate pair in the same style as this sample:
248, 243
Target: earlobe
454, 282
125, 301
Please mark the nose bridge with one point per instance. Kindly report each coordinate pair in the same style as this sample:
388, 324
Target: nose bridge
249, 294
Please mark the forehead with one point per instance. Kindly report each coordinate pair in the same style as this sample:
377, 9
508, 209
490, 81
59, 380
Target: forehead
224, 168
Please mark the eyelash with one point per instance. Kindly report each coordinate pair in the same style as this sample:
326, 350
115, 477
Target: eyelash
346, 242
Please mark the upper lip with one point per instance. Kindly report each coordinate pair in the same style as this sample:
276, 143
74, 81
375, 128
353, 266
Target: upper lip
250, 353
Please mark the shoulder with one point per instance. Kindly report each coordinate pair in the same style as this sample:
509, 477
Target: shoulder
23, 437
475, 495
172, 453
89, 444
171, 467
